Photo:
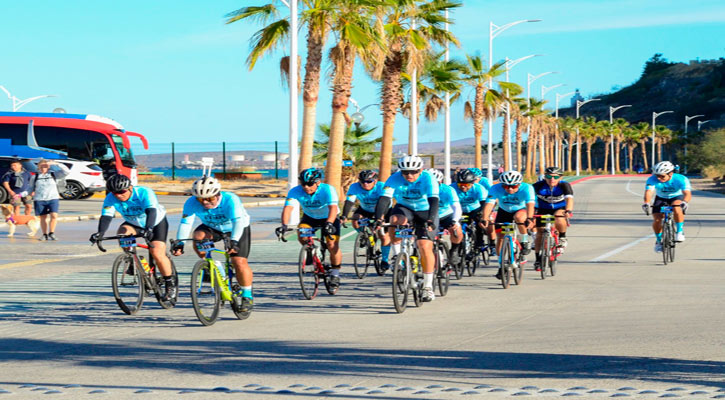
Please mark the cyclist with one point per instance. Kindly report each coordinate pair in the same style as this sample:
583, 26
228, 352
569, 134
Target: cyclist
480, 179
142, 214
319, 207
449, 213
416, 193
472, 195
670, 189
220, 213
516, 204
553, 197
367, 190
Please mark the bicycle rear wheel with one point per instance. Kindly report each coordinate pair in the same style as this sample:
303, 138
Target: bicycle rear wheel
517, 268
127, 282
458, 268
545, 254
472, 256
307, 272
205, 295
443, 268
401, 282
505, 263
554, 255
360, 254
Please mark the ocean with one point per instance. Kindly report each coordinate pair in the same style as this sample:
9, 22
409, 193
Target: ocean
192, 173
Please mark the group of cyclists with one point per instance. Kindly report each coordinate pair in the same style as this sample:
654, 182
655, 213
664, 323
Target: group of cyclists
411, 196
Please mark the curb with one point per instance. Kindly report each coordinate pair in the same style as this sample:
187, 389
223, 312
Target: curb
175, 210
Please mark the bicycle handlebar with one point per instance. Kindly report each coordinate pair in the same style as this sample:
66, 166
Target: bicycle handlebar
98, 242
280, 234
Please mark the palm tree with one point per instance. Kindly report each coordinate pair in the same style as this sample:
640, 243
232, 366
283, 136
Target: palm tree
641, 130
662, 136
630, 137
356, 35
359, 146
437, 78
486, 99
569, 126
536, 115
590, 131
315, 16
518, 114
509, 91
619, 125
407, 47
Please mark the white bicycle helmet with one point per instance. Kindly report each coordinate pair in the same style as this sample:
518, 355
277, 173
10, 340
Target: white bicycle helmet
410, 163
205, 187
664, 167
437, 174
511, 178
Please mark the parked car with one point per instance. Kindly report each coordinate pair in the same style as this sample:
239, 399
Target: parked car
85, 178
5, 167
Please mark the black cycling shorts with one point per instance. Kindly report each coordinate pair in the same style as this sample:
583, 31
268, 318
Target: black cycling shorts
309, 222
418, 220
245, 242
544, 211
503, 216
661, 201
160, 231
446, 222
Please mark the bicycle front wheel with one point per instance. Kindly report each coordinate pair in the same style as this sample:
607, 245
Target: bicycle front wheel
307, 271
205, 295
401, 282
505, 264
360, 254
666, 233
443, 270
517, 268
458, 268
127, 282
554, 256
545, 254
670, 250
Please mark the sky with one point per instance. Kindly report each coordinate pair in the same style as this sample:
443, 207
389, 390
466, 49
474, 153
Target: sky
174, 71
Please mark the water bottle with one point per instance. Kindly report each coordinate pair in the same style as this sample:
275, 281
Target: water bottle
144, 264
414, 262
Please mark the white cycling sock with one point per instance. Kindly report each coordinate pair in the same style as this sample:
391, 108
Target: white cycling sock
427, 280
394, 250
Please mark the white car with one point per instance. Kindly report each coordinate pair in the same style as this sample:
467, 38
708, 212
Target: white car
85, 178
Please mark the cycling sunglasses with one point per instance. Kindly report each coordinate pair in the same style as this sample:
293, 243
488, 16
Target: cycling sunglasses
510, 186
552, 176
206, 199
410, 172
465, 185
121, 192
370, 181
661, 176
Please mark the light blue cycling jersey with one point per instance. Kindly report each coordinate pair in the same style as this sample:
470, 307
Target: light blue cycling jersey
485, 183
412, 195
228, 216
473, 198
368, 198
133, 210
671, 188
448, 197
511, 202
314, 205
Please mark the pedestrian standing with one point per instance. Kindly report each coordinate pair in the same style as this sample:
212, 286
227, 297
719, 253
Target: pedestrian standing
47, 199
17, 184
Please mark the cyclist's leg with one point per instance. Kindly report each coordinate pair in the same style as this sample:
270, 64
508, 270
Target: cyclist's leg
424, 242
307, 222
502, 217
241, 268
204, 232
333, 246
539, 228
385, 242
677, 213
657, 216
399, 216
520, 218
158, 252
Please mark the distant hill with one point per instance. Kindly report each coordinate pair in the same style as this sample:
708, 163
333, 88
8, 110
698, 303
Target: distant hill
687, 89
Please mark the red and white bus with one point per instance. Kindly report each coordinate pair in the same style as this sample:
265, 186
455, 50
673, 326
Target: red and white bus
80, 136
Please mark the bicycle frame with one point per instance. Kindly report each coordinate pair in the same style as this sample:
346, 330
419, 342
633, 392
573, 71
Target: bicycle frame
225, 285
310, 245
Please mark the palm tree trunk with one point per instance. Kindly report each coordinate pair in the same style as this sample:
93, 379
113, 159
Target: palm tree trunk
644, 154
542, 151
589, 156
505, 141
478, 123
519, 141
607, 143
342, 84
630, 147
616, 156
310, 95
568, 152
390, 103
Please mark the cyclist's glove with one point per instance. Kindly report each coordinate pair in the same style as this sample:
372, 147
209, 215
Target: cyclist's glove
178, 246
94, 237
684, 206
234, 245
646, 208
430, 225
329, 229
280, 230
147, 234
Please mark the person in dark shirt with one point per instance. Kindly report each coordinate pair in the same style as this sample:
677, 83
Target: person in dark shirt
553, 197
17, 183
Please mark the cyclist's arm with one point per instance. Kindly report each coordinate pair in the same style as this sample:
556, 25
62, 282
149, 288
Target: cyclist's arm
107, 213
332, 213
530, 210
433, 208
457, 211
487, 208
384, 201
187, 219
347, 207
103, 224
237, 228
286, 214
569, 204
648, 196
687, 194
150, 217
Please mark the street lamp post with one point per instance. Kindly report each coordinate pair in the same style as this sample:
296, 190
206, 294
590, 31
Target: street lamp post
493, 31
529, 80
687, 119
611, 132
579, 103
510, 64
413, 127
292, 168
556, 114
654, 118
18, 103
701, 123
544, 91
447, 126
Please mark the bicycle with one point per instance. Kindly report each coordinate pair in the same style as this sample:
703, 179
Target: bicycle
442, 263
311, 267
510, 262
133, 276
668, 234
550, 250
212, 284
366, 249
467, 256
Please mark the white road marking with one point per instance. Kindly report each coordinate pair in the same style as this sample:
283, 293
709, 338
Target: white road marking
630, 190
621, 248
348, 234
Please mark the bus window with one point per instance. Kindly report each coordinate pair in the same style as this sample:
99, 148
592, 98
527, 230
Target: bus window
125, 154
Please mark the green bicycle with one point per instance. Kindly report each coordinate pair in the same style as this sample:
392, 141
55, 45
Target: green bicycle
212, 284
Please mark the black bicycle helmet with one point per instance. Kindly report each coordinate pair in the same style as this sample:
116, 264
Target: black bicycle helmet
118, 183
310, 176
465, 176
553, 171
367, 175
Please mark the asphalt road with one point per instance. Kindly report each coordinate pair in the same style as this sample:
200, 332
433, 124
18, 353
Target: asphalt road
614, 321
